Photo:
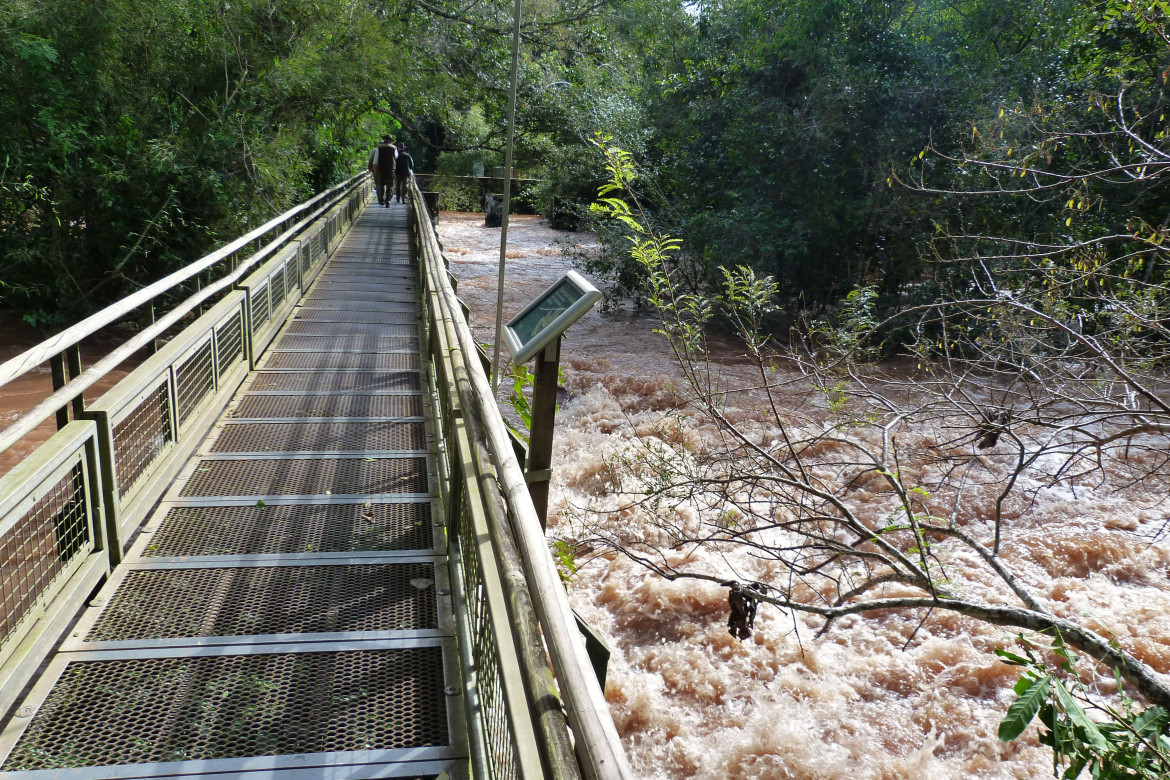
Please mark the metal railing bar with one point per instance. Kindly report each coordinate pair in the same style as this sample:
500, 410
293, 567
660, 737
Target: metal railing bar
314, 454
49, 406
37, 355
446, 643
543, 698
597, 738
328, 393
403, 638
415, 762
301, 420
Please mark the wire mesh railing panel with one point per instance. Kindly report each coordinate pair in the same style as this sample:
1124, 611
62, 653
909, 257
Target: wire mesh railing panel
39, 546
165, 603
277, 529
489, 690
132, 711
276, 285
194, 380
260, 308
141, 437
305, 259
230, 343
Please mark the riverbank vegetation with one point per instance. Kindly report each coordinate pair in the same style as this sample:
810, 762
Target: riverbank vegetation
135, 136
1029, 316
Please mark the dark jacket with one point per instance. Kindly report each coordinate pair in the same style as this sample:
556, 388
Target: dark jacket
405, 164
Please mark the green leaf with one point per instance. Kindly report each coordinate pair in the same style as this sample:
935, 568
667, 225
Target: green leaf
1151, 721
1012, 659
1072, 709
1023, 709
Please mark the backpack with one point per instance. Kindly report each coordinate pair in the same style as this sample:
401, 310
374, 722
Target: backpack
385, 159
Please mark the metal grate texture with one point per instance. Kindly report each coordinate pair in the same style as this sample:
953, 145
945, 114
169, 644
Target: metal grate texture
39, 546
341, 315
294, 406
308, 476
230, 343
398, 279
345, 361
181, 709
355, 342
194, 380
141, 437
324, 436
160, 603
359, 303
376, 251
298, 528
366, 283
341, 329
367, 288
370, 293
350, 381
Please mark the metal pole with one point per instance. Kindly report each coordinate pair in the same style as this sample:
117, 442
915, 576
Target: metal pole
507, 194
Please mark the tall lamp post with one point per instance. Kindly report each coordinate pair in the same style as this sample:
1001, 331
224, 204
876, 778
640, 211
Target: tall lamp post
507, 192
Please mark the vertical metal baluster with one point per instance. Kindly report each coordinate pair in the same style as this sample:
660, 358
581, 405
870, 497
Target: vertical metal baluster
58, 366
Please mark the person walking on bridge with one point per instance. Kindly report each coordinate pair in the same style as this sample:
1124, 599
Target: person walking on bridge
402, 171
382, 166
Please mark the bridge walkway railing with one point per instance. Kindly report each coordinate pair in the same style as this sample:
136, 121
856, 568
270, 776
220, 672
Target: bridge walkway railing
290, 607
70, 507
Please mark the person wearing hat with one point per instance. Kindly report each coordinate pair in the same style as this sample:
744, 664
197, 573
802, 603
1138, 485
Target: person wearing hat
382, 166
402, 171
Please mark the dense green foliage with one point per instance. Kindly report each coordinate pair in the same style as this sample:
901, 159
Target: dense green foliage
824, 143
136, 134
1127, 741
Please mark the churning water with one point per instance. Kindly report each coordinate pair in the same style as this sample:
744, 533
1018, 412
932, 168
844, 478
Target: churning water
877, 697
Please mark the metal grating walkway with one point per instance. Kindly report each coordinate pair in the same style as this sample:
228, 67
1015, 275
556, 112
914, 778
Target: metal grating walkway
286, 610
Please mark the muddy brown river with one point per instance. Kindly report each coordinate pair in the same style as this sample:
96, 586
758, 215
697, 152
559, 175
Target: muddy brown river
862, 702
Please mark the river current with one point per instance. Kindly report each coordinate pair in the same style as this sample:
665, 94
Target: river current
878, 697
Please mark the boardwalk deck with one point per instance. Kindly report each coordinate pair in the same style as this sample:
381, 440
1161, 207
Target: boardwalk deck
286, 610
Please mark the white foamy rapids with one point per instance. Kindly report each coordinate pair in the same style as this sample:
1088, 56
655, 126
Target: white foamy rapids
881, 697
